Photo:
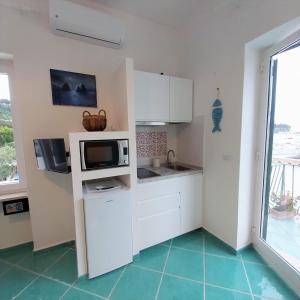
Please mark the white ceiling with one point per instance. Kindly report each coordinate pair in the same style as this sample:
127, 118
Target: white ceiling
173, 13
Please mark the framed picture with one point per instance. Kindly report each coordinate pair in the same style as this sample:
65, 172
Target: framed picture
69, 88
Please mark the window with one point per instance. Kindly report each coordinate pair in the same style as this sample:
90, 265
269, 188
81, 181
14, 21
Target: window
11, 156
8, 160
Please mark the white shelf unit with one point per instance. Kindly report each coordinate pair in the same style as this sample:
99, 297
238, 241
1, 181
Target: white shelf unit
104, 173
124, 117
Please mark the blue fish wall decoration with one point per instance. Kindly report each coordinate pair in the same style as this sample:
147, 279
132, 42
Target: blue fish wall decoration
217, 114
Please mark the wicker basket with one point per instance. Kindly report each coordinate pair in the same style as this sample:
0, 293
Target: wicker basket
94, 122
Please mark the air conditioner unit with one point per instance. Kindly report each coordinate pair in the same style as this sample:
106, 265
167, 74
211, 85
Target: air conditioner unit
80, 22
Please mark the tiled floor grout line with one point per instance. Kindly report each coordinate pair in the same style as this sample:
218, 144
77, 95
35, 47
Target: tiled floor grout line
87, 292
66, 291
163, 271
39, 275
217, 255
146, 269
192, 280
72, 286
247, 278
228, 289
27, 286
204, 276
116, 283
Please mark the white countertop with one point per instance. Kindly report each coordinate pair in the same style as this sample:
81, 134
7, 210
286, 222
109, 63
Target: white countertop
166, 173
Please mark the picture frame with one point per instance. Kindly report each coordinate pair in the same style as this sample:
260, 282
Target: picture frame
74, 89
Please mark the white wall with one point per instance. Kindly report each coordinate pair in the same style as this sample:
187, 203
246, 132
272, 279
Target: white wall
25, 34
212, 52
14, 229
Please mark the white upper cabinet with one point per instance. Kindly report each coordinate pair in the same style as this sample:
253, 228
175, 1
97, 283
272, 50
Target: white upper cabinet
181, 100
151, 97
163, 98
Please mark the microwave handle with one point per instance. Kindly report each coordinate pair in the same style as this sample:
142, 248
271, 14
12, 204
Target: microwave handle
121, 145
82, 156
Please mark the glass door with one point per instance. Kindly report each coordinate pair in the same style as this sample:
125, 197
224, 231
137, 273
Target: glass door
280, 221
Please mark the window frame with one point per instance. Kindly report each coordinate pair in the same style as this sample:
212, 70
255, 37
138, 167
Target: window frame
274, 259
6, 67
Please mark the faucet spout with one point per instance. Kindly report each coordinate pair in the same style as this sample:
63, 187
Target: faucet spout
168, 156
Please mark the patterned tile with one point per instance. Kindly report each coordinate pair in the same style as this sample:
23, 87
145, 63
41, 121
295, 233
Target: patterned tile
265, 283
228, 273
214, 293
185, 264
174, 288
151, 143
152, 258
137, 284
44, 289
14, 281
101, 285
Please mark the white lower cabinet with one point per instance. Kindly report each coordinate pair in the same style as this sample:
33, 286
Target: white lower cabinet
168, 208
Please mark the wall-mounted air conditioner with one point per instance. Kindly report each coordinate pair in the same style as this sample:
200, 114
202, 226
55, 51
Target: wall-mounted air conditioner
80, 22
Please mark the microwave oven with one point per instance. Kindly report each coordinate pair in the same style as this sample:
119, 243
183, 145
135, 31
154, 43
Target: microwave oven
101, 154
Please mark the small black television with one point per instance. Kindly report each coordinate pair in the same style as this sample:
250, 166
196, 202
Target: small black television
51, 155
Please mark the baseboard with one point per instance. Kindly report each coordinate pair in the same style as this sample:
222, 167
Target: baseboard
22, 244
36, 249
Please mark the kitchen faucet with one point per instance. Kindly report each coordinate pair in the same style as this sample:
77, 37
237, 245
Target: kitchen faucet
168, 156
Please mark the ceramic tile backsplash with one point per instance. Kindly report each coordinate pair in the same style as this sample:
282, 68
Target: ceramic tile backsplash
154, 142
151, 144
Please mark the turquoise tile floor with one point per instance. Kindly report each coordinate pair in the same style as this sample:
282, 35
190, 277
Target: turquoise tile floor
194, 266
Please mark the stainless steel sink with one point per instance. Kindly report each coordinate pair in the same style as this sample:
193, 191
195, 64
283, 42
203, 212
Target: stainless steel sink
177, 168
145, 173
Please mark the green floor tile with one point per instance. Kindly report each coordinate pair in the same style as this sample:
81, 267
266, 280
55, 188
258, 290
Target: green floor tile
249, 254
15, 254
74, 294
43, 289
173, 288
65, 269
13, 281
225, 272
191, 241
101, 285
3, 267
41, 260
217, 247
137, 284
214, 293
265, 283
152, 258
185, 263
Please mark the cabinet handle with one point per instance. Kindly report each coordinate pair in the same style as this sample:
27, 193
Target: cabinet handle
108, 201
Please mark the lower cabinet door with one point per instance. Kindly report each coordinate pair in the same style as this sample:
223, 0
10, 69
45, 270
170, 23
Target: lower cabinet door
159, 220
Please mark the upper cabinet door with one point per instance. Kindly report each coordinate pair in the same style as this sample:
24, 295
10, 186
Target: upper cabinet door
181, 100
152, 98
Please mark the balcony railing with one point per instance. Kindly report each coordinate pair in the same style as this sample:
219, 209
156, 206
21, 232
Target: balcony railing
284, 199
